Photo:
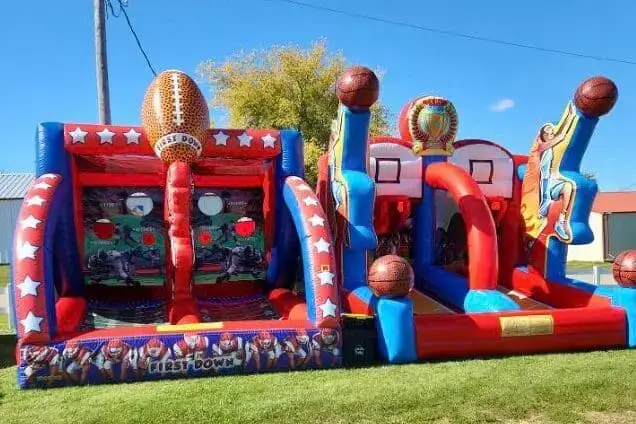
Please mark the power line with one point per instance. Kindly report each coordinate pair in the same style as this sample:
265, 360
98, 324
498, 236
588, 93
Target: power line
453, 33
123, 4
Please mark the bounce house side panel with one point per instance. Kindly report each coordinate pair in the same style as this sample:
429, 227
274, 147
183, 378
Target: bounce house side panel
621, 297
283, 264
126, 358
321, 285
33, 289
52, 158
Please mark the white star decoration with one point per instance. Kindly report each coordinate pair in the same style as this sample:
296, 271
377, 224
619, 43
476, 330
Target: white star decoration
310, 201
328, 309
30, 222
317, 221
304, 187
245, 140
42, 185
268, 141
78, 135
35, 200
31, 323
221, 138
326, 277
28, 287
27, 250
132, 136
105, 136
322, 245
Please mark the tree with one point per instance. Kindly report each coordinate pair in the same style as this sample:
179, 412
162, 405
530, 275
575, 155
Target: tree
285, 87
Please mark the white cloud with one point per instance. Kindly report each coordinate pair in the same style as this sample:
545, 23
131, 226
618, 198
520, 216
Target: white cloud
502, 105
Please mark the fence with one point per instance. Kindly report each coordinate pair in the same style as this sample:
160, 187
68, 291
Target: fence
597, 275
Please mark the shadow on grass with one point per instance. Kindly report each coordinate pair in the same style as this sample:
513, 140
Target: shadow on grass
375, 363
7, 350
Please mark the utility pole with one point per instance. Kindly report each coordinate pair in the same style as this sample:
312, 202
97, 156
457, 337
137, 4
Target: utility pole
103, 96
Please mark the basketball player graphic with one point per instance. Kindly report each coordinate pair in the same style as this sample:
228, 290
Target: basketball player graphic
552, 186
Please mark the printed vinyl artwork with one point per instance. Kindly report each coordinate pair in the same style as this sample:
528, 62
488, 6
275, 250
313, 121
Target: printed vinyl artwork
228, 232
123, 236
547, 195
192, 354
432, 125
339, 210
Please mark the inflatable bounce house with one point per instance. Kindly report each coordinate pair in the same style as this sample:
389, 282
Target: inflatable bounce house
174, 249
486, 233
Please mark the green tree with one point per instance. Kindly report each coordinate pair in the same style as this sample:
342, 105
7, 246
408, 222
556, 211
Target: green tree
285, 87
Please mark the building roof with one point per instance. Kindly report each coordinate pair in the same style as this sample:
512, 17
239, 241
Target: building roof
617, 201
15, 186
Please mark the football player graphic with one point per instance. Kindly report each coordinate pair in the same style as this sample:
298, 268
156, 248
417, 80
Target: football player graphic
231, 347
299, 348
77, 361
326, 341
116, 352
263, 344
38, 358
191, 347
241, 259
153, 351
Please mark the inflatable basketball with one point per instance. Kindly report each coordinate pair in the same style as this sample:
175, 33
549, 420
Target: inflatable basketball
175, 117
596, 96
391, 276
624, 269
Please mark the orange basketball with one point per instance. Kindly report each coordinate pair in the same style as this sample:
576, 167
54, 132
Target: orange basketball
624, 269
596, 96
391, 276
358, 87
175, 117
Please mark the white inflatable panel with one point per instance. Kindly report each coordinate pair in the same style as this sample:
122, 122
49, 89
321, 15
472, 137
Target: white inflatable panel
395, 170
489, 165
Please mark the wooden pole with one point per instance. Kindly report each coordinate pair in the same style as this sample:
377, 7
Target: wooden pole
103, 96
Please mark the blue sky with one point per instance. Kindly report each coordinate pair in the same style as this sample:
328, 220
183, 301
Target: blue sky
48, 71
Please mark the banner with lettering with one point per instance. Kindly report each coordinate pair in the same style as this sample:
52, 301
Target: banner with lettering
160, 356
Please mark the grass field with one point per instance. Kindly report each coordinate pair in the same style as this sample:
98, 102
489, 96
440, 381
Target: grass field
4, 275
573, 266
593, 387
4, 281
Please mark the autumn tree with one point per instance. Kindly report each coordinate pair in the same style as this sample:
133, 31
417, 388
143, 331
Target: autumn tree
285, 87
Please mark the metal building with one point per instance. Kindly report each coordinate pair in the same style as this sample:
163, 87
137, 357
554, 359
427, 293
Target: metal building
13, 188
613, 221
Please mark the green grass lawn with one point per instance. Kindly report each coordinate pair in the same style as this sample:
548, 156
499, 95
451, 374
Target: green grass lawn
4, 281
593, 387
4, 324
4, 275
586, 265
